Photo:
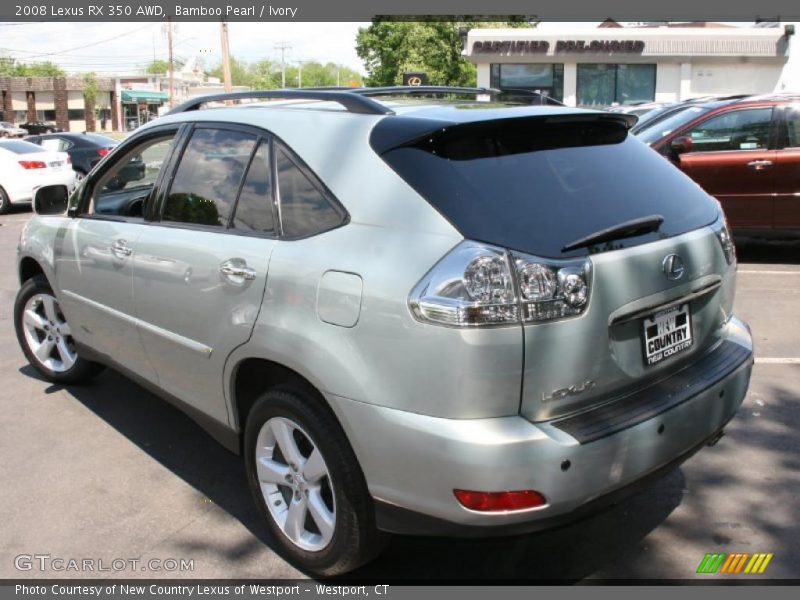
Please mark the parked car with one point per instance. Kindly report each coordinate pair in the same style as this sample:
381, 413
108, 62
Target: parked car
746, 153
36, 127
638, 109
24, 167
86, 150
9, 130
670, 111
410, 315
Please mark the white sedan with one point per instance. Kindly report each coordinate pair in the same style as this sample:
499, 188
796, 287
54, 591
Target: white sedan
25, 167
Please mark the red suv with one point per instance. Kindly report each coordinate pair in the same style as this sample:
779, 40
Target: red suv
746, 153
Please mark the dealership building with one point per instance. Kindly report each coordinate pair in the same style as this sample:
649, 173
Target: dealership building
610, 64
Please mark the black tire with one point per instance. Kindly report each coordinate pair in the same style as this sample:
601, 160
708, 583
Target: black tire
81, 371
5, 203
355, 538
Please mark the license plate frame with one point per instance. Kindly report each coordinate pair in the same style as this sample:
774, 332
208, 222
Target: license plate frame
666, 334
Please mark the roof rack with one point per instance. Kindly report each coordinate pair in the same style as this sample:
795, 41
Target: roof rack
407, 90
354, 103
358, 100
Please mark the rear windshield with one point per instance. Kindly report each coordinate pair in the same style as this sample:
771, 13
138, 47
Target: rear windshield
658, 129
20, 147
100, 140
537, 184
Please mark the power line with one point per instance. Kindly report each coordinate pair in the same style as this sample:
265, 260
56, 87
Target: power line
116, 37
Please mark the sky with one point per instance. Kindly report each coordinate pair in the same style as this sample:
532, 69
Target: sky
122, 47
128, 47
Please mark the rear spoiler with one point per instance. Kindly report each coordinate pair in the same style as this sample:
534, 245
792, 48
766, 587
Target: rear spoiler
400, 131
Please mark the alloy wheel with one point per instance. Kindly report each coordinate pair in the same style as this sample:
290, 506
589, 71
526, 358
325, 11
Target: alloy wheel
296, 484
47, 333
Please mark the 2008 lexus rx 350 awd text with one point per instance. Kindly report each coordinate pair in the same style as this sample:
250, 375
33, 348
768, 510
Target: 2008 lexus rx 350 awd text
438, 316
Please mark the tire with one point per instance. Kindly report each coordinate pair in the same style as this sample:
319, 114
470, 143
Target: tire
5, 202
40, 325
336, 530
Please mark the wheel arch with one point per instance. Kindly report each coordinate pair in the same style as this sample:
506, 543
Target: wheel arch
251, 377
29, 268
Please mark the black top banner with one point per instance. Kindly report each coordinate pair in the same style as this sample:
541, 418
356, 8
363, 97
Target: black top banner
360, 10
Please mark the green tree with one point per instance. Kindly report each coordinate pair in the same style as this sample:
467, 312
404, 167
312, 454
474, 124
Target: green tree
390, 48
316, 74
12, 68
265, 75
240, 73
158, 67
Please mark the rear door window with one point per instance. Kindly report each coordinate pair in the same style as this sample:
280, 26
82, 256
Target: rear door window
208, 177
254, 209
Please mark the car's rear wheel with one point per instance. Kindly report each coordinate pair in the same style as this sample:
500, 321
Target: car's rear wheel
5, 202
45, 336
308, 485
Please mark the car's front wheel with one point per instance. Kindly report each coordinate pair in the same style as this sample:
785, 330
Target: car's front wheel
45, 336
308, 485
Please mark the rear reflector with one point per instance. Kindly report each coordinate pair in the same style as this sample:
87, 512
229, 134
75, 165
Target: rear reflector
32, 164
498, 501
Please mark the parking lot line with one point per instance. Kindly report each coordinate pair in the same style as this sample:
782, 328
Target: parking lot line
757, 272
778, 361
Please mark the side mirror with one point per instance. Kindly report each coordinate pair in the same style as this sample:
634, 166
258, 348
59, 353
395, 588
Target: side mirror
51, 200
681, 145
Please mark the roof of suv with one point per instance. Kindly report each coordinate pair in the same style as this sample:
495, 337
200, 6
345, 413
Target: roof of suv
397, 101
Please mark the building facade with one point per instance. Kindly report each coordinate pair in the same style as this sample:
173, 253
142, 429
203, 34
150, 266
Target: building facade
61, 100
604, 66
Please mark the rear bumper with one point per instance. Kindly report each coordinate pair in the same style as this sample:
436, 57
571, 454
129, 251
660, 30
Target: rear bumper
413, 462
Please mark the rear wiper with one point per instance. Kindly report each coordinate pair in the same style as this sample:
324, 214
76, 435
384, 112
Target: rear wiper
627, 229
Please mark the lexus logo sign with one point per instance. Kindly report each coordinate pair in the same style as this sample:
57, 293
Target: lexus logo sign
415, 79
673, 267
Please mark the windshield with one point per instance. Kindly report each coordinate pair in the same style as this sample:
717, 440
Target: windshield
537, 184
6, 124
659, 129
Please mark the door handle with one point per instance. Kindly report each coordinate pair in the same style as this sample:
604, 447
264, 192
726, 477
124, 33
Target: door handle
236, 271
120, 249
758, 165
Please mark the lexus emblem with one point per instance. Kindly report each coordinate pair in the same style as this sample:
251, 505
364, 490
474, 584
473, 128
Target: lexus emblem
673, 267
415, 80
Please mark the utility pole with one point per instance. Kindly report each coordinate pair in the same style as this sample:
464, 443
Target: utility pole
171, 65
226, 56
283, 47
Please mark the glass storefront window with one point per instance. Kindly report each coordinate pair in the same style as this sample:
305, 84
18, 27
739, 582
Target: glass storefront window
547, 78
603, 84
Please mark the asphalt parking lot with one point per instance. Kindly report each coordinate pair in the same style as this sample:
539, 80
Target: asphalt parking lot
108, 471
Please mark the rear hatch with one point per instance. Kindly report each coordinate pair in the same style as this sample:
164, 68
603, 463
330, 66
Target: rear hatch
658, 295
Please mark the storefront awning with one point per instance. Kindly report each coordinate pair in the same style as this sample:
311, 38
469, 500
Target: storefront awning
148, 96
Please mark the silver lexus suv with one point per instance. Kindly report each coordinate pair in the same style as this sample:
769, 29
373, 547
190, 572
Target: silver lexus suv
417, 313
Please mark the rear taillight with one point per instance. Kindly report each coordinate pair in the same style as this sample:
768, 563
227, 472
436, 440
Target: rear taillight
69, 159
500, 501
32, 164
552, 289
477, 284
725, 240
103, 151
